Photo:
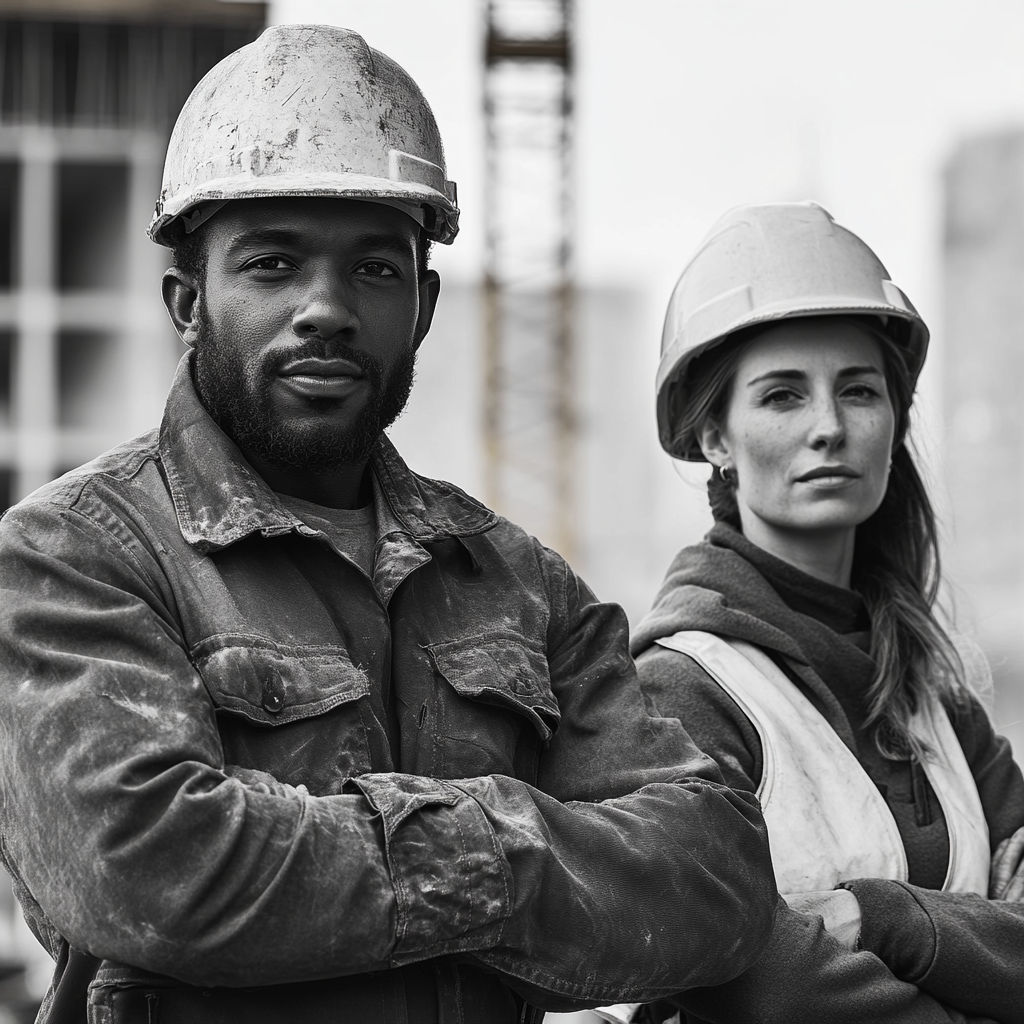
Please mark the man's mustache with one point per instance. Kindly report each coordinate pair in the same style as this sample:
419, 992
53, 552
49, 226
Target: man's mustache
323, 348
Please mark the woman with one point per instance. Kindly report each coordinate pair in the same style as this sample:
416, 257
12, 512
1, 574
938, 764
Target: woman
799, 646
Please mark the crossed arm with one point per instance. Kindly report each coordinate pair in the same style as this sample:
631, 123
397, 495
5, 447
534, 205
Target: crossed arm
134, 841
924, 956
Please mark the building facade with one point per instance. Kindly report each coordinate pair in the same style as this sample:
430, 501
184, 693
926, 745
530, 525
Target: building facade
88, 94
983, 263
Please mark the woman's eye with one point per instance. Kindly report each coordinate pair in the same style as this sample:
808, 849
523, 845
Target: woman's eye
375, 269
779, 396
861, 391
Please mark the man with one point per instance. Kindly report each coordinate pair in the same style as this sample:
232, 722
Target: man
289, 732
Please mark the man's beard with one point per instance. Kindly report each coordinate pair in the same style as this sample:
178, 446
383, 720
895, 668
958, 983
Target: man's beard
238, 399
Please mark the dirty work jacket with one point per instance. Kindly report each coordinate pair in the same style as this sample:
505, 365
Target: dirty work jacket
487, 795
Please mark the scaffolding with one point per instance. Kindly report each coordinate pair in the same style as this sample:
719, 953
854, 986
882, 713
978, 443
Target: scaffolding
529, 408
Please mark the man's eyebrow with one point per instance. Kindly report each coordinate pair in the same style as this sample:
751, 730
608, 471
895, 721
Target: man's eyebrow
382, 242
849, 371
263, 236
387, 243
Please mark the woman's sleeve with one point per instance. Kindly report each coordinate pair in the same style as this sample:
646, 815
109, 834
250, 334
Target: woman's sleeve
959, 947
804, 975
962, 948
996, 774
675, 686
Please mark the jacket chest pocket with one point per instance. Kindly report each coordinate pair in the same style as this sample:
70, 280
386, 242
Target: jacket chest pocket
493, 707
301, 714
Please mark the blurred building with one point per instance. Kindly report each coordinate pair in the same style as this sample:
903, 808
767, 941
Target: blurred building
632, 512
89, 90
984, 411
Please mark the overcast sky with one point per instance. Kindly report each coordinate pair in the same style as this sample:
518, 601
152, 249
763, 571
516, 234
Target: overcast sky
686, 108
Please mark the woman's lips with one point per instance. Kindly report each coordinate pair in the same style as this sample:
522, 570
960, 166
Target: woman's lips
829, 476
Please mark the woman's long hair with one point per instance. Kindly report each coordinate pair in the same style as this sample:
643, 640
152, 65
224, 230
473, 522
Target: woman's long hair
896, 565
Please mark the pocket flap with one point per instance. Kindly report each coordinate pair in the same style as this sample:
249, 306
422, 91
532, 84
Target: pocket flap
503, 671
271, 683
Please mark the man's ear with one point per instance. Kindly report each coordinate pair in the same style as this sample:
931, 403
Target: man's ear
180, 294
714, 444
430, 288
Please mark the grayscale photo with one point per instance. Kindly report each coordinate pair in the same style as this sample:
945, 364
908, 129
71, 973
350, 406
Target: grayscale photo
511, 511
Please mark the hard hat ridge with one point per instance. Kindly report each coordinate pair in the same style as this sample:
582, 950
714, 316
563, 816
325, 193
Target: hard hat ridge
760, 264
307, 110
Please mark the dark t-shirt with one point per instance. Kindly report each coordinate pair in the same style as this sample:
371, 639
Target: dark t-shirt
352, 531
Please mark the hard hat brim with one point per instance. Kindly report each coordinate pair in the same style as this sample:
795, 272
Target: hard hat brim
334, 186
677, 360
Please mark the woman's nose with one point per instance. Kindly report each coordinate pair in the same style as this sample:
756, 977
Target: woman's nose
325, 309
829, 430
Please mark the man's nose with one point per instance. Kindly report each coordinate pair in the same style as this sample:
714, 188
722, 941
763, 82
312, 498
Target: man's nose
326, 308
829, 430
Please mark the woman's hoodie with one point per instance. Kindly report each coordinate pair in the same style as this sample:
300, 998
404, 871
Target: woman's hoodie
971, 957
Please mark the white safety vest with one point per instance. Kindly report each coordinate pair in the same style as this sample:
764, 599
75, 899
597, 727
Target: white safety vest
827, 821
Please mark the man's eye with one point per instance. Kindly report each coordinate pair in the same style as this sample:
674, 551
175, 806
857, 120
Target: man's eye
268, 263
375, 269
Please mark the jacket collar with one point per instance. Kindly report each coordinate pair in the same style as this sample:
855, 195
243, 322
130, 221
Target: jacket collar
219, 498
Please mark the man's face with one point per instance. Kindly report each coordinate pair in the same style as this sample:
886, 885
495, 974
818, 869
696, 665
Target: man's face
307, 325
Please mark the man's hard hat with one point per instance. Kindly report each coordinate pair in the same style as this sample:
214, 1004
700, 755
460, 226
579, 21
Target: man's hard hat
760, 264
306, 110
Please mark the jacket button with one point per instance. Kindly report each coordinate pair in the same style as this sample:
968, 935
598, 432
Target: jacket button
273, 693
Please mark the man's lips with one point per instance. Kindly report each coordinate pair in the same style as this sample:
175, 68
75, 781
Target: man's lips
321, 378
323, 368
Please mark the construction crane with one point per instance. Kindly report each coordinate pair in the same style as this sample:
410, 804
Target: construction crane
529, 411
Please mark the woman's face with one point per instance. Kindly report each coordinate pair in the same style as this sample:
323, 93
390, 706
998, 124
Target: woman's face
808, 429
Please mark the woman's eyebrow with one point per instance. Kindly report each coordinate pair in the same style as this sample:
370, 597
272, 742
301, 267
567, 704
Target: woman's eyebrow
778, 375
860, 371
849, 371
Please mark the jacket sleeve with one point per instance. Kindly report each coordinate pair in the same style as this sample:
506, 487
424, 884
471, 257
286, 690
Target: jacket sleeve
804, 975
132, 840
648, 873
126, 833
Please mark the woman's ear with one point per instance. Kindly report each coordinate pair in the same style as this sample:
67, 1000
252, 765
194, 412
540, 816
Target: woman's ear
180, 294
714, 444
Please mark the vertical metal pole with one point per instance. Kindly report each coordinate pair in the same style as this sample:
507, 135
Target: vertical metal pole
35, 360
529, 348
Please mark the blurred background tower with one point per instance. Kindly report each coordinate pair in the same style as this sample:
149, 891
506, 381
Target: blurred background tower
529, 417
89, 90
984, 411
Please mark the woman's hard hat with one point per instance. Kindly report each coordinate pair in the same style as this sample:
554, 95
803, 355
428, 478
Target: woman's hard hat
760, 264
306, 110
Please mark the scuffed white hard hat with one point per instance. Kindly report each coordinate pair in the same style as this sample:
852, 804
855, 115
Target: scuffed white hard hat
760, 264
306, 110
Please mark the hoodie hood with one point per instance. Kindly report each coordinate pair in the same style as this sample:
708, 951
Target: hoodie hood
728, 586
713, 587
